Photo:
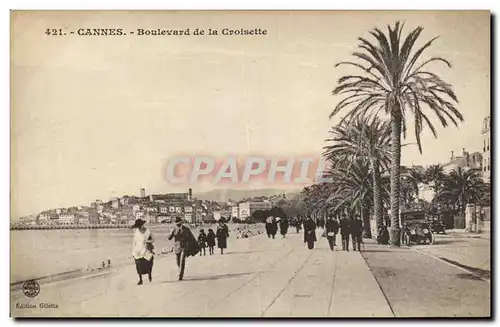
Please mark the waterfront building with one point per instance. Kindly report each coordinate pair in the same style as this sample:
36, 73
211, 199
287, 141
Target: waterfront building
83, 221
83, 213
222, 214
44, 217
66, 219
246, 209
188, 209
235, 211
485, 132
151, 208
188, 217
136, 208
165, 209
139, 214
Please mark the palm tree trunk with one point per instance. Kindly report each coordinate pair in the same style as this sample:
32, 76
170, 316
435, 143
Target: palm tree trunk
377, 195
395, 230
365, 216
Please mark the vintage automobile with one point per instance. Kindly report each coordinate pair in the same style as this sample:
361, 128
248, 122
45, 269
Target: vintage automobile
416, 228
437, 226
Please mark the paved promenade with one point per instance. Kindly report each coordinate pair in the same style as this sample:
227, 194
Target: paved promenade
257, 277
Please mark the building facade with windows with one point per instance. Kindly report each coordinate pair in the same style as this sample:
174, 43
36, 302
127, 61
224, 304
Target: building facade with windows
485, 132
246, 209
465, 161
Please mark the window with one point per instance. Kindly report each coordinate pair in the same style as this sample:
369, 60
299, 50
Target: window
488, 147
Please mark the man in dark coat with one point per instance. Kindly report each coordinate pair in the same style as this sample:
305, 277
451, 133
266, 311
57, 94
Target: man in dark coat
284, 226
222, 234
271, 227
345, 230
331, 230
183, 239
298, 224
356, 232
309, 233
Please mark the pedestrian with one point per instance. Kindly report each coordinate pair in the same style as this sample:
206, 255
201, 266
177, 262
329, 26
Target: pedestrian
331, 230
345, 230
356, 232
297, 225
383, 235
284, 227
143, 250
182, 236
210, 241
269, 226
309, 233
222, 235
202, 242
274, 226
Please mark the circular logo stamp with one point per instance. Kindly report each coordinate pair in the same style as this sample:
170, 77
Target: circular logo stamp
31, 288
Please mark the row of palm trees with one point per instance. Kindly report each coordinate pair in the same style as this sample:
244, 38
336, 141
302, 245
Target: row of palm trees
392, 85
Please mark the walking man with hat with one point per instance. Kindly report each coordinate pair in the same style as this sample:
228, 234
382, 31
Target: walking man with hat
182, 236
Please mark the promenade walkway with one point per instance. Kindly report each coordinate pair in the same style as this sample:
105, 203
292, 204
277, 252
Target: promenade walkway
257, 277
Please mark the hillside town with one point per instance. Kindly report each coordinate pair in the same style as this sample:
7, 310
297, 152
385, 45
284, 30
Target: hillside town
153, 208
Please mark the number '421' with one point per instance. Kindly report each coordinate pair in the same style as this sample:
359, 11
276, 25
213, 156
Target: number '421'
54, 31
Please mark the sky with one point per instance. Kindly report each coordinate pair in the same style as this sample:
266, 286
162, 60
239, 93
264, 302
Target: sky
95, 117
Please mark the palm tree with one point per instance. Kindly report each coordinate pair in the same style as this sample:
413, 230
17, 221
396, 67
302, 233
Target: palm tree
461, 187
414, 177
352, 189
435, 176
394, 80
365, 138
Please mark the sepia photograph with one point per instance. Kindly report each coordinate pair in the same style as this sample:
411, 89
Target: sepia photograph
250, 164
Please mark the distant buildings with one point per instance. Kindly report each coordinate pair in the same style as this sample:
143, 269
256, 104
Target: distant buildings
115, 203
222, 214
465, 161
485, 132
246, 209
155, 209
66, 219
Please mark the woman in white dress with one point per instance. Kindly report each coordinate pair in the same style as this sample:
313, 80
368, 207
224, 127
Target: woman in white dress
142, 250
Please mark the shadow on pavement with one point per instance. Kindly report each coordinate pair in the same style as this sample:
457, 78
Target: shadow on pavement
477, 273
373, 251
448, 241
468, 276
215, 277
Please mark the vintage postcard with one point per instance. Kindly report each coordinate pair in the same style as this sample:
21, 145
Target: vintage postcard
250, 164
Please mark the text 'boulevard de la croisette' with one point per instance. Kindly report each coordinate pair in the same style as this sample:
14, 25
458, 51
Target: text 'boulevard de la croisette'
157, 32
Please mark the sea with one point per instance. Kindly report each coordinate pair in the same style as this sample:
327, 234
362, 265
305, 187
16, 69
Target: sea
38, 254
